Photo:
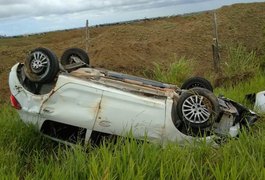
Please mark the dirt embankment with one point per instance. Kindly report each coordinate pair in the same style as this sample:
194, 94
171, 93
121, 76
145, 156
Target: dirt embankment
132, 48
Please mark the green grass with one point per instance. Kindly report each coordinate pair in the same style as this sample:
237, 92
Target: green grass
240, 62
240, 65
174, 73
239, 91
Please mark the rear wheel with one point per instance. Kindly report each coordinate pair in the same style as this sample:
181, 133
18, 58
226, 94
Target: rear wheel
41, 66
74, 58
198, 109
197, 82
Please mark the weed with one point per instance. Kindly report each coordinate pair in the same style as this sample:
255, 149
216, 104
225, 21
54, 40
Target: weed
24, 154
241, 65
175, 73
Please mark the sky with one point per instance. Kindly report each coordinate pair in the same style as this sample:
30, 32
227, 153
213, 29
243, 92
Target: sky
33, 16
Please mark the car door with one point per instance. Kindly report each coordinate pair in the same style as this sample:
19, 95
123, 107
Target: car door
73, 103
124, 112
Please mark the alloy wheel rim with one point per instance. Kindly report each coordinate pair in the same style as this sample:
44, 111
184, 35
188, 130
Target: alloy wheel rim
39, 62
197, 109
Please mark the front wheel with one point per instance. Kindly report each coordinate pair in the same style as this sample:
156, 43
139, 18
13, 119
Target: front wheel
198, 109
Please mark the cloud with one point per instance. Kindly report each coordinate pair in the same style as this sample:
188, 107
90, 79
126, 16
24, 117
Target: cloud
32, 16
36, 8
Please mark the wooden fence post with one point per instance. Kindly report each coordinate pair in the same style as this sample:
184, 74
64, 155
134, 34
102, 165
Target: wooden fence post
215, 45
87, 36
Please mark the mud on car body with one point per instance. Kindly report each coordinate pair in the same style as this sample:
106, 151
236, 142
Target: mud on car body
71, 101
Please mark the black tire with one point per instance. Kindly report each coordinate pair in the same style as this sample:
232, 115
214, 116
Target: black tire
197, 82
75, 57
198, 108
41, 66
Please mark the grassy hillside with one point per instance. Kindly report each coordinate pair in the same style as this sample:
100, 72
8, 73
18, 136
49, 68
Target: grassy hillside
133, 48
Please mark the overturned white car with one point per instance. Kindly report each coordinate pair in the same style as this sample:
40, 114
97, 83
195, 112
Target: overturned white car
72, 101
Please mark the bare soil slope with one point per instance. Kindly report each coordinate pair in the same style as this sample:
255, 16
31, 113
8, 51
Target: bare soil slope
132, 48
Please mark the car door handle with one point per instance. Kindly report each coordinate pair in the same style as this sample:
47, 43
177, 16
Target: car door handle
47, 110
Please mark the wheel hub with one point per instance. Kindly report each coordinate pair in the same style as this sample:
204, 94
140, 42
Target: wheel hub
196, 109
36, 64
39, 62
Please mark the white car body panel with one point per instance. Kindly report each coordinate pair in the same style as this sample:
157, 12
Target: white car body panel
29, 102
121, 112
73, 104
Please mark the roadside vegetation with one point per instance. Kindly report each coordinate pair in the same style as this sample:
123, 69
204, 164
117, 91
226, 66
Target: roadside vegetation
25, 154
240, 62
239, 66
175, 73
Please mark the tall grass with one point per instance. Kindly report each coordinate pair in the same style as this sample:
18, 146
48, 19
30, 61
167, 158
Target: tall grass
25, 154
240, 65
240, 62
174, 73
